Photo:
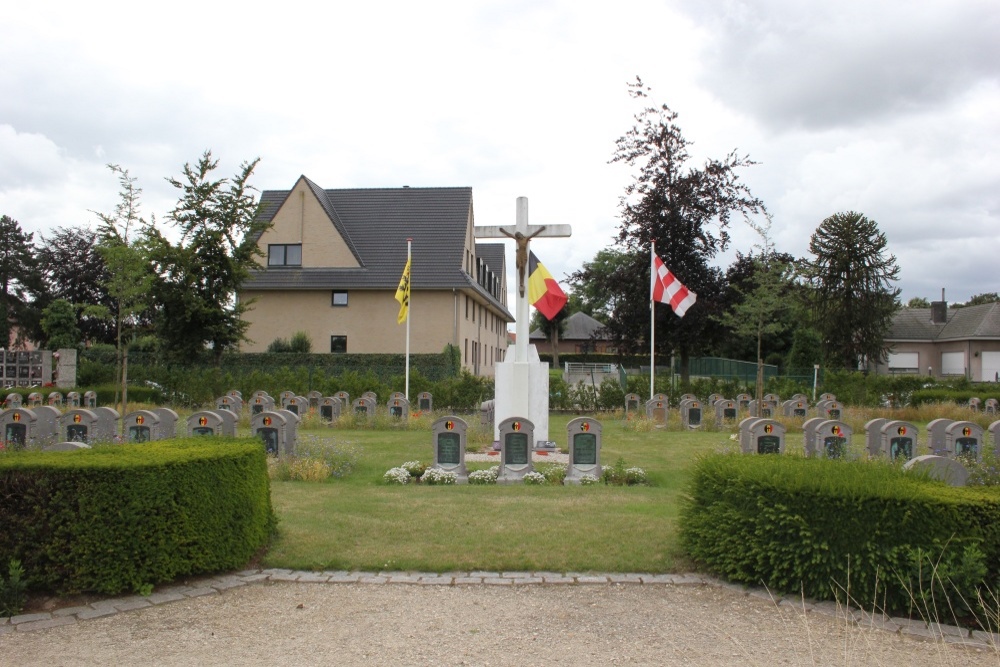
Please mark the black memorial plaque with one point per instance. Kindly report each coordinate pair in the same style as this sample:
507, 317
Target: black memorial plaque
584, 449
694, 417
835, 446
449, 449
517, 451
901, 447
270, 438
968, 447
202, 430
768, 444
138, 434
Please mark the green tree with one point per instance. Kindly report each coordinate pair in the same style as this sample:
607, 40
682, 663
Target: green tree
852, 299
918, 302
591, 291
59, 325
199, 276
20, 282
552, 329
686, 211
979, 299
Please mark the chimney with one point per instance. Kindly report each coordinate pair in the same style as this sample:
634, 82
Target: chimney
939, 310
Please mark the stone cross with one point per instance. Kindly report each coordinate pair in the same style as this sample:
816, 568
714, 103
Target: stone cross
522, 233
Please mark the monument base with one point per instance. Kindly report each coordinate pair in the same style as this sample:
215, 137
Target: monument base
522, 390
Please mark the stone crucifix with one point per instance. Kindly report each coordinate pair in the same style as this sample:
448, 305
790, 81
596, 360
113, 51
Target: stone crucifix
522, 233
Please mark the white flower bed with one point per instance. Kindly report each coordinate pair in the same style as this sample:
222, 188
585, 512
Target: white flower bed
438, 476
396, 476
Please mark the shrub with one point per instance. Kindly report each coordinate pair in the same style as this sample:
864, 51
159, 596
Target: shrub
488, 476
554, 473
12, 596
415, 468
534, 478
621, 474
396, 476
434, 476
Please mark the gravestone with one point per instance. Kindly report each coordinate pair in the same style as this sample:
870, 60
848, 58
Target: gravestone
73, 399
487, 413
206, 423
726, 411
425, 401
994, 430
899, 440
974, 404
168, 422
584, 437
941, 468
743, 401
260, 404
684, 397
56, 399
800, 397
141, 426
18, 426
833, 410
47, 430
691, 410
78, 425
935, 436
657, 410
12, 401
370, 395
766, 436
260, 392
270, 428
763, 409
773, 398
746, 444
399, 408
235, 393
517, 438
795, 408
329, 409
397, 394
809, 435
712, 398
833, 439
291, 430
231, 403
65, 447
964, 440
107, 424
827, 397
229, 422
873, 435
632, 402
364, 406
90, 400
35, 399
992, 406
298, 405
345, 398
449, 441
314, 398
284, 397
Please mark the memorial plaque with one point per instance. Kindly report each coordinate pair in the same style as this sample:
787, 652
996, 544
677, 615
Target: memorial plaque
835, 446
768, 444
16, 435
968, 447
517, 451
270, 437
449, 446
901, 446
584, 449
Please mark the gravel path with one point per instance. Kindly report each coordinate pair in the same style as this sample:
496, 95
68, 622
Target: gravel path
276, 617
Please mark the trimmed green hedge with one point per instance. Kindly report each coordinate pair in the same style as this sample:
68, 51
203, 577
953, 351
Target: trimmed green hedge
123, 517
822, 527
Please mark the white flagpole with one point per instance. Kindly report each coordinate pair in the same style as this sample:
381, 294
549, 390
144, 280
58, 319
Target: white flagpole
409, 314
652, 318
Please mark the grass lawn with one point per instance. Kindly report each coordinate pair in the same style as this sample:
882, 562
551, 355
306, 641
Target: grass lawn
360, 523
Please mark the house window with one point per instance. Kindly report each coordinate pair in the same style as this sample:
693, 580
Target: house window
284, 254
339, 299
338, 344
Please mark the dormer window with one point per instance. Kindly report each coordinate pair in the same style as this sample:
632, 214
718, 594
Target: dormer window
284, 254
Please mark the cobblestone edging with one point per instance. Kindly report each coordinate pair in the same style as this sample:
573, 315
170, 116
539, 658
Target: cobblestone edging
219, 584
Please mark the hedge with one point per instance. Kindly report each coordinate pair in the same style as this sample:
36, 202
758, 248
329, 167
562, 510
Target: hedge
837, 529
125, 517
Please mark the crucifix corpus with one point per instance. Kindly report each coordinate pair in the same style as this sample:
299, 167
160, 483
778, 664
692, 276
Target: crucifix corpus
522, 233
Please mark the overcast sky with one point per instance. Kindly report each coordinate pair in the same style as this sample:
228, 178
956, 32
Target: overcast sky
890, 108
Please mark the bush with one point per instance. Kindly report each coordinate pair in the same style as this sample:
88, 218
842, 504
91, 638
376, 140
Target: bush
123, 517
821, 527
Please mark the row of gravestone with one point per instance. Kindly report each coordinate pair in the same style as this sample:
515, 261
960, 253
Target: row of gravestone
55, 399
726, 410
895, 439
991, 407
329, 408
517, 438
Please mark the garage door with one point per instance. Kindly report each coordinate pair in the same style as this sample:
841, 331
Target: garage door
991, 366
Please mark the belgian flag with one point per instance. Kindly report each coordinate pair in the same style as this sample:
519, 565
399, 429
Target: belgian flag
544, 292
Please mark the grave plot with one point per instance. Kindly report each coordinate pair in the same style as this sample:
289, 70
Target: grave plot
964, 440
516, 443
449, 440
899, 440
584, 437
425, 401
329, 409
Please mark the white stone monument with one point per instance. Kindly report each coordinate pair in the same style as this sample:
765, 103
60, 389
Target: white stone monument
522, 380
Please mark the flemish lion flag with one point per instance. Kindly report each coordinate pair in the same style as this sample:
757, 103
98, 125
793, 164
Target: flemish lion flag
403, 294
544, 292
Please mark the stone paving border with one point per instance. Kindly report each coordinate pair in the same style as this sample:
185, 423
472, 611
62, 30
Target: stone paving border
217, 585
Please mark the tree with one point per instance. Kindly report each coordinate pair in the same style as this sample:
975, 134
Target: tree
20, 281
918, 302
59, 325
852, 299
686, 211
74, 270
199, 277
552, 329
979, 299
591, 284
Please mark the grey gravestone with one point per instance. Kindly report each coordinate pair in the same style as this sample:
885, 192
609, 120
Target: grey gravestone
259, 392
657, 410
900, 440
833, 410
809, 435
141, 426
56, 399
48, 424
684, 397
284, 397
12, 401
449, 446
399, 408
766, 436
291, 430
795, 408
370, 394
743, 401
941, 468
35, 399
205, 423
364, 406
773, 398
712, 398
744, 433
517, 437
833, 439
345, 398
235, 393
965, 440
827, 397
78, 425
107, 424
18, 427
994, 430
73, 399
270, 427
992, 406
425, 401
229, 419
487, 412
873, 435
974, 404
584, 437
764, 409
396, 394
935, 435
691, 413
632, 402
65, 447
314, 398
90, 400
298, 405
227, 402
329, 409
726, 411
260, 404
168, 422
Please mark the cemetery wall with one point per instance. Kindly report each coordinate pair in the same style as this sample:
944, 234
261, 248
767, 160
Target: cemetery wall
112, 521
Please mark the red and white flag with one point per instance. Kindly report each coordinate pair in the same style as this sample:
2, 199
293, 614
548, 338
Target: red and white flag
666, 288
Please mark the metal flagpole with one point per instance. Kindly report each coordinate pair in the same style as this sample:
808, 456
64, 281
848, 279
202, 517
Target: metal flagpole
652, 318
409, 314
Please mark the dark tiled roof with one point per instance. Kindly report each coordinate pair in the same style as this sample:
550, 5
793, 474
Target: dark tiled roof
579, 326
375, 224
914, 324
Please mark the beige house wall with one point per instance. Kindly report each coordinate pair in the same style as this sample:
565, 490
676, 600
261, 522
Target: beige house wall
302, 219
930, 356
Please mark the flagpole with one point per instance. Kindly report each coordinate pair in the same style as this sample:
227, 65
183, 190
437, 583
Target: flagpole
409, 312
652, 318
